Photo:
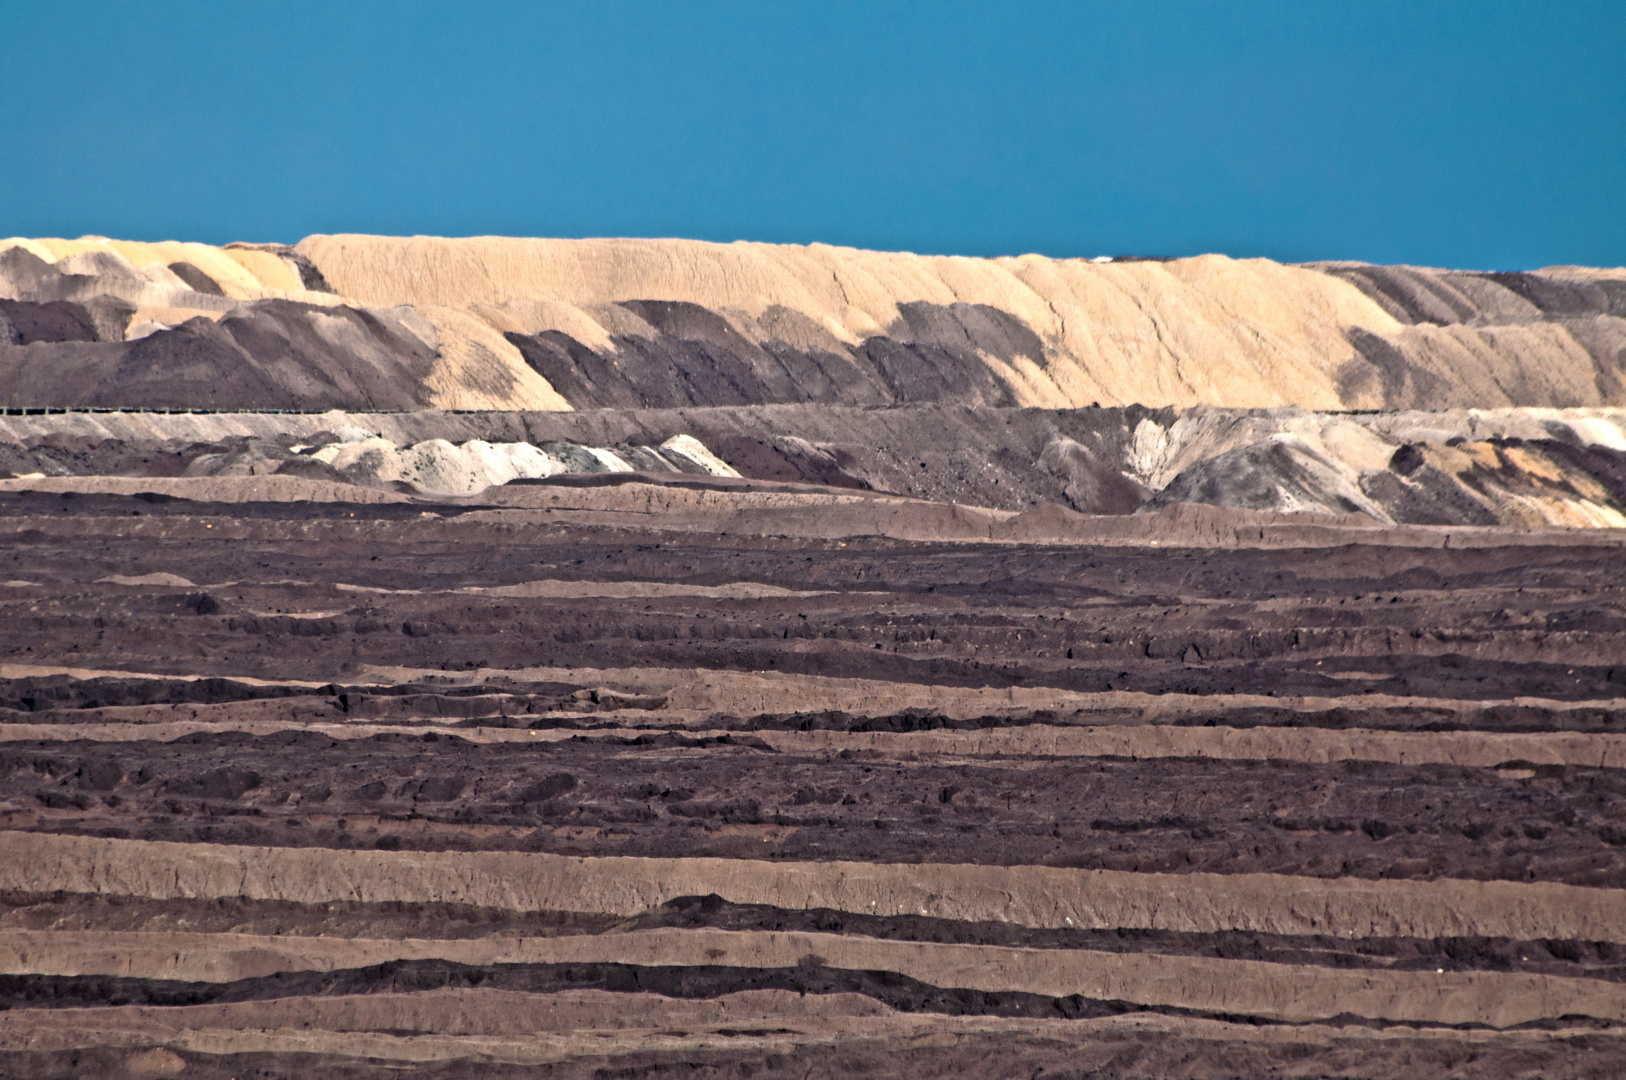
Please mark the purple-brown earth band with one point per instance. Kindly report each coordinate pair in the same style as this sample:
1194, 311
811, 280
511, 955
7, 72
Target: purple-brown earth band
724, 768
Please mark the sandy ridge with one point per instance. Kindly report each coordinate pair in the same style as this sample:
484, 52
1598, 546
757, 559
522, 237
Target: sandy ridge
623, 590
693, 694
491, 1025
831, 517
484, 1011
1050, 332
1025, 895
1472, 749
761, 692
1188, 525
1468, 748
1293, 993
1205, 329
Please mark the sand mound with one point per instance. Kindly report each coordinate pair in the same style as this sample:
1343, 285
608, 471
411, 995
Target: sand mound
99, 322
1050, 332
240, 272
340, 451
148, 579
437, 466
513, 323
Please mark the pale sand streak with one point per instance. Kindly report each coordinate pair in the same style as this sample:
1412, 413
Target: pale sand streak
538, 1049
490, 1024
1025, 895
625, 590
777, 692
1470, 748
1467, 748
483, 1011
1289, 992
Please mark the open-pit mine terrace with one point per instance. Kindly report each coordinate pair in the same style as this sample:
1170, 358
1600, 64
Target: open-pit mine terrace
340, 788
651, 659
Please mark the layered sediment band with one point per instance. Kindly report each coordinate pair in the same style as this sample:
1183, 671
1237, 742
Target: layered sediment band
1277, 992
1467, 748
1026, 895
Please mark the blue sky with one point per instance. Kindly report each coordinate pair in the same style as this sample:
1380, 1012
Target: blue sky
1478, 134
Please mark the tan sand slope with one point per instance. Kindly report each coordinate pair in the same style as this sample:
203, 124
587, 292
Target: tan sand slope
485, 1030
95, 321
1473, 749
1055, 332
554, 324
1033, 896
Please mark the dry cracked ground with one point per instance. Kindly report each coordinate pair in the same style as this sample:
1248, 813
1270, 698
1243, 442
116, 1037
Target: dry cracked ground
412, 788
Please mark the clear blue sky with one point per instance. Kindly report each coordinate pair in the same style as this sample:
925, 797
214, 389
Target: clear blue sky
1479, 134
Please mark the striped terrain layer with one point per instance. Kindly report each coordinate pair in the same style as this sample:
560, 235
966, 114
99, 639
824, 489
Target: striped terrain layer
379, 789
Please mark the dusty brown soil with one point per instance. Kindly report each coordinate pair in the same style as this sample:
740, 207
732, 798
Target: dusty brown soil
353, 681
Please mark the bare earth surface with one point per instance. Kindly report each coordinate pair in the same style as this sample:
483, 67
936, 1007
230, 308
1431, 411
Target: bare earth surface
513, 786
656, 659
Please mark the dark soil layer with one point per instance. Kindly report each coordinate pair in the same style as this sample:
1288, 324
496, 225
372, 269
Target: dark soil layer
1486, 624
657, 794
